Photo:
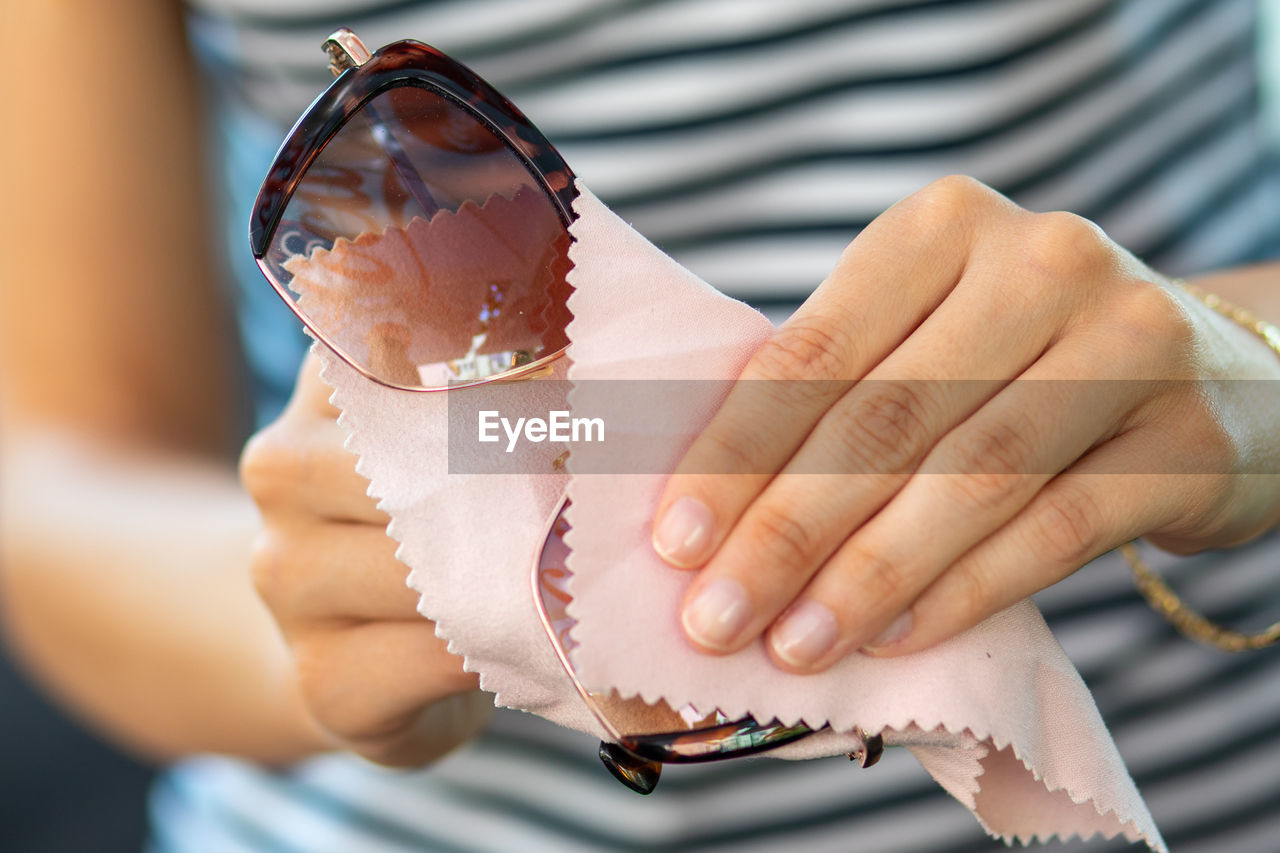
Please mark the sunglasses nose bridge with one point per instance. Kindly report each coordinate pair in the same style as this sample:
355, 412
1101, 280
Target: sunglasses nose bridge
345, 50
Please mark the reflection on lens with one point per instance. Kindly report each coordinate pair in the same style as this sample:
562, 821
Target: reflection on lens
421, 246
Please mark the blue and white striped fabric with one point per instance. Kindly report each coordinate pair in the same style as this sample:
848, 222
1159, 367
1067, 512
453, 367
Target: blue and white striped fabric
752, 140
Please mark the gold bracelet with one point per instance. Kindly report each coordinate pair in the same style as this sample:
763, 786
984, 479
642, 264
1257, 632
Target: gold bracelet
1153, 588
1240, 316
1167, 603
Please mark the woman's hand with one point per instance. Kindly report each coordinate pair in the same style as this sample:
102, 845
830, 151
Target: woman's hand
370, 669
956, 498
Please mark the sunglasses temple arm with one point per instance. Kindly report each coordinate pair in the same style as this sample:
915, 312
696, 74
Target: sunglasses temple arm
400, 160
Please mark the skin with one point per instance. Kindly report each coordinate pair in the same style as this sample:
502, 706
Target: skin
130, 554
370, 669
177, 610
956, 499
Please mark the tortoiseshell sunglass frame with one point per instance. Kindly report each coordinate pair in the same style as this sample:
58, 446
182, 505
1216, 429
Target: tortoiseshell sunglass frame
361, 76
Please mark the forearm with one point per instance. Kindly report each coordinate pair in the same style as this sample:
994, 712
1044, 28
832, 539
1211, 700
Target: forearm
125, 578
112, 319
126, 591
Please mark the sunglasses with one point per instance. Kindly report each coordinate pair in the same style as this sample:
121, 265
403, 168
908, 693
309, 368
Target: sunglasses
440, 215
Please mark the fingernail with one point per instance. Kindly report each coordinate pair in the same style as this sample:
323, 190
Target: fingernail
897, 630
806, 634
718, 614
684, 533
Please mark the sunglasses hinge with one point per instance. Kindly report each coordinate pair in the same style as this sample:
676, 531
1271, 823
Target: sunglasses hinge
345, 51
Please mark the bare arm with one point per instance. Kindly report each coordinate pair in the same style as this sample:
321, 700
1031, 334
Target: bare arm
125, 534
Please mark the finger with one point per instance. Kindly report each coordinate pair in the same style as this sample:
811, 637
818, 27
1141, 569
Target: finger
1097, 504
298, 467
879, 432
435, 730
369, 683
312, 393
1097, 348
979, 476
887, 281
331, 574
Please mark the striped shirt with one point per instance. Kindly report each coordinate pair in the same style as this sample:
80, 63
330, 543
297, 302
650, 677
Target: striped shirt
752, 140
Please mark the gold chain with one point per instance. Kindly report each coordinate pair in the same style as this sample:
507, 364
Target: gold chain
1167, 603
1240, 316
1153, 588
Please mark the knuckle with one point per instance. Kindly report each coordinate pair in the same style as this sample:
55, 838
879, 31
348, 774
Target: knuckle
269, 468
973, 596
807, 349
329, 696
255, 463
885, 427
269, 569
1152, 315
949, 200
288, 471
313, 674
790, 543
1068, 525
990, 460
881, 583
721, 451
1063, 245
955, 194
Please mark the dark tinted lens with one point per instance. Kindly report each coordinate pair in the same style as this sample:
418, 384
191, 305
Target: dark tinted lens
421, 245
